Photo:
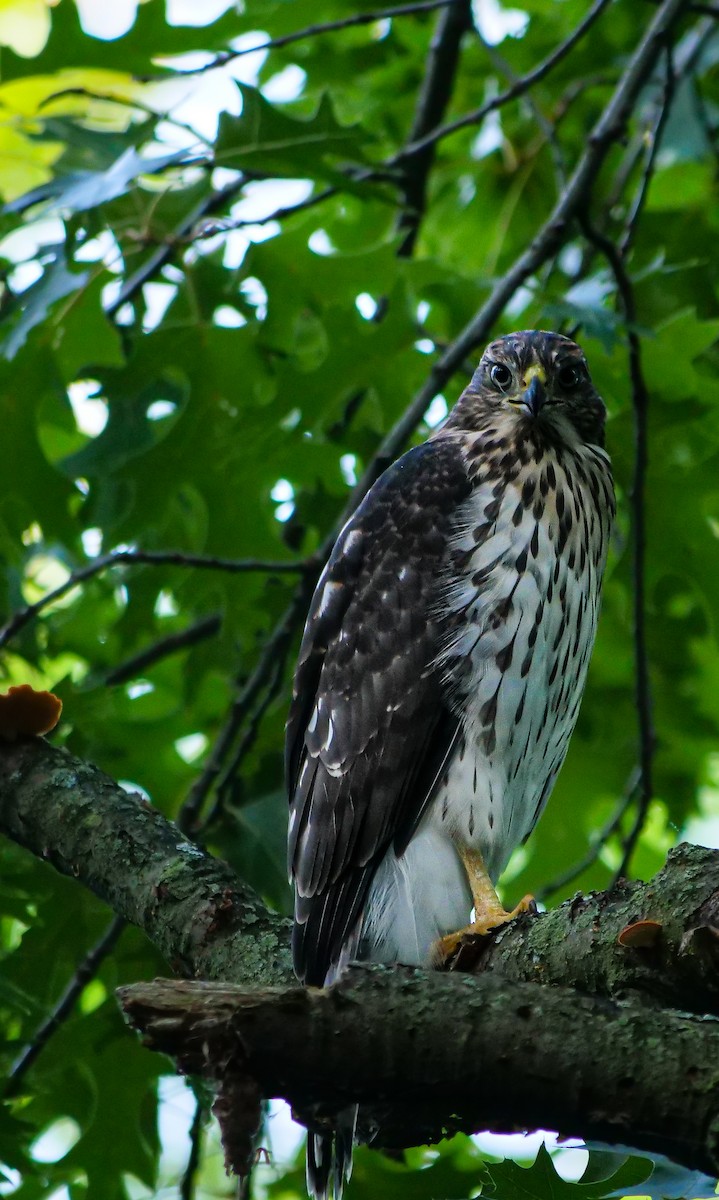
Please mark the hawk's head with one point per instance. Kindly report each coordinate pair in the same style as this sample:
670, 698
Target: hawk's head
540, 377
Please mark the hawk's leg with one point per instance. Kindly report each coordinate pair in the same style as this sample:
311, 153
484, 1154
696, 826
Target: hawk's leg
488, 910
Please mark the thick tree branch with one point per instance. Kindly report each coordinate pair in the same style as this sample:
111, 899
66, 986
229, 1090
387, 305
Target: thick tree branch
380, 1038
207, 923
194, 909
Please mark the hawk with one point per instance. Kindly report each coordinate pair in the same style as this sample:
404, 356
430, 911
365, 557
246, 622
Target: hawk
442, 668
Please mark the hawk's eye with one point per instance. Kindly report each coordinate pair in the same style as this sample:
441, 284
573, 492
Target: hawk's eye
568, 377
500, 375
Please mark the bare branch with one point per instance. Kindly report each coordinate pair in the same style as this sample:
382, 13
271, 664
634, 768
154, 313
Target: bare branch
522, 85
230, 773
152, 558
640, 401
206, 627
263, 677
547, 128
86, 971
207, 228
190, 905
310, 31
598, 841
434, 96
209, 924
379, 1038
655, 140
187, 1183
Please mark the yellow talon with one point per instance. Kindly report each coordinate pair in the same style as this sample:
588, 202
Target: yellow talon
488, 910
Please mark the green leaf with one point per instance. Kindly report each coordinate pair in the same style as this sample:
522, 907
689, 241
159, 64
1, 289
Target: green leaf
87, 189
540, 1181
57, 282
263, 138
656, 1176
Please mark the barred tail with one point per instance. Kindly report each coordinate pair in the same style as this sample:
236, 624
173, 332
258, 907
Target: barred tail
329, 1157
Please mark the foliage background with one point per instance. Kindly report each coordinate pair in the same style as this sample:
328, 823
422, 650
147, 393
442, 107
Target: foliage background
216, 301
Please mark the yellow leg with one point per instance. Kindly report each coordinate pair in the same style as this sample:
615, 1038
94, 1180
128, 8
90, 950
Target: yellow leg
488, 910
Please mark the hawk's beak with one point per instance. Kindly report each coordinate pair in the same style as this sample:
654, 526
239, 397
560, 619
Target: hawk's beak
534, 394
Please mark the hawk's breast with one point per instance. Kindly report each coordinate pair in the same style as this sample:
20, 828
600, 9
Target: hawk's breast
521, 601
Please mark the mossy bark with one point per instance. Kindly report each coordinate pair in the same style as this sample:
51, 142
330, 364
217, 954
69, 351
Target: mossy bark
201, 917
426, 1054
567, 1019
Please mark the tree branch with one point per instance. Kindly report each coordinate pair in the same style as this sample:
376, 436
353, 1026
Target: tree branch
310, 31
194, 909
264, 677
212, 203
640, 402
206, 627
189, 1178
85, 972
518, 88
380, 1038
434, 96
655, 141
153, 558
598, 841
207, 923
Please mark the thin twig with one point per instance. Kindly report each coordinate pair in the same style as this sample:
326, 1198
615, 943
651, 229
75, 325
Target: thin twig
710, 10
310, 31
211, 203
522, 85
655, 139
274, 652
640, 402
212, 229
229, 775
546, 127
154, 558
187, 1183
598, 841
205, 628
86, 971
434, 96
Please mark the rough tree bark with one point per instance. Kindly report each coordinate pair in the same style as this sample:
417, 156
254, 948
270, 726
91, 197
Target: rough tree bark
598, 1018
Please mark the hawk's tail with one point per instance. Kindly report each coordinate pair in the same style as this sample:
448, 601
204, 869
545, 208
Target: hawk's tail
329, 1157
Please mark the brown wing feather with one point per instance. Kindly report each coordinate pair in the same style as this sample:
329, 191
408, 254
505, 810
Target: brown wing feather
369, 727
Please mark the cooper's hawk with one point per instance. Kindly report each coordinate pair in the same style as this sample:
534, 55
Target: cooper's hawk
442, 667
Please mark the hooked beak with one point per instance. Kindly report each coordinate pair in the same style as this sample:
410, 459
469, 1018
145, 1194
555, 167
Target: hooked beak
533, 397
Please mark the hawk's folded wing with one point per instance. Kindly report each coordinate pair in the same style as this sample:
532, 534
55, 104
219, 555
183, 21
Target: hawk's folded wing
369, 728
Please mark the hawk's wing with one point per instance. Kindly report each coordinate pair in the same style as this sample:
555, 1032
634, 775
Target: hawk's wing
368, 730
